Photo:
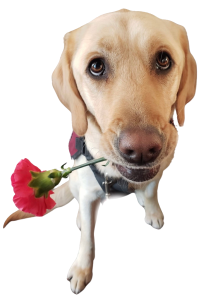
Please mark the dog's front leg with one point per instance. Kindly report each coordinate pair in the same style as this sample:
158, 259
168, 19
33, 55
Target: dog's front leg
80, 273
147, 197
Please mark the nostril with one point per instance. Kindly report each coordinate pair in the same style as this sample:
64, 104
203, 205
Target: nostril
152, 150
140, 146
129, 152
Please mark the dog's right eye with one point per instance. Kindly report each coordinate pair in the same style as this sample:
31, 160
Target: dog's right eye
96, 67
163, 61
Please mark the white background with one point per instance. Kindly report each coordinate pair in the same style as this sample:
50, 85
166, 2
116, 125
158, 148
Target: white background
133, 260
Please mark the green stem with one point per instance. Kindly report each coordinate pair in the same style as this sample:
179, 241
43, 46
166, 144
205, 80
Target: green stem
91, 162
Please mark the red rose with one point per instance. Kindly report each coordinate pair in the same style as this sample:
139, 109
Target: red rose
24, 197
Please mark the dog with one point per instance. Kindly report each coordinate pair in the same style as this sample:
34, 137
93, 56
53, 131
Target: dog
121, 76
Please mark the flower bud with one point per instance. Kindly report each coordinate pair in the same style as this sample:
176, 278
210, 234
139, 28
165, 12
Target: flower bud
43, 182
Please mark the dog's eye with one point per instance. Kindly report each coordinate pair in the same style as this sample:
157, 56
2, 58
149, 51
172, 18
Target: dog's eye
163, 61
96, 67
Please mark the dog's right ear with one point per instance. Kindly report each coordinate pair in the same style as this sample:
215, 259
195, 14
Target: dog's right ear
187, 86
65, 86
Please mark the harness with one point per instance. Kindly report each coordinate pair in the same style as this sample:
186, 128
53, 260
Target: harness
77, 147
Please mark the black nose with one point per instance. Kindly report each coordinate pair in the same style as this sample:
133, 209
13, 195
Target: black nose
140, 146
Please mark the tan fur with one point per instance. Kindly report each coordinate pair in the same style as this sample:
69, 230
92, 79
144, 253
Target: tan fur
133, 95
65, 86
17, 215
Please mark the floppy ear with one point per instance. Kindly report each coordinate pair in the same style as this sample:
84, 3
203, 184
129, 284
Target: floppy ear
187, 86
65, 86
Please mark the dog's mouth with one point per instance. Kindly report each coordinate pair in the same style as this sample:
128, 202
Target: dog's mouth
138, 175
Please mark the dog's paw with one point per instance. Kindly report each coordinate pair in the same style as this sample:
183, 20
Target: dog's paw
79, 278
155, 218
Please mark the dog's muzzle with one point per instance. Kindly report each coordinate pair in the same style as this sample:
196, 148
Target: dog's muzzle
140, 148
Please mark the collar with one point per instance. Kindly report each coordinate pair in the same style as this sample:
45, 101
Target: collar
77, 147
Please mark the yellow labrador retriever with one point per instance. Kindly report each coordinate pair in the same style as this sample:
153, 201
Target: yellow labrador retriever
121, 76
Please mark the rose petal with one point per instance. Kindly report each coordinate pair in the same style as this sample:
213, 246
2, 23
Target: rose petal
49, 202
24, 197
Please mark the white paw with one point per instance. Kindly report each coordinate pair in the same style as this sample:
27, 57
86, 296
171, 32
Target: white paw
79, 277
155, 218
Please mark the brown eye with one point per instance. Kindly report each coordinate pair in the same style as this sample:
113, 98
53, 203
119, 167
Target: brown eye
97, 67
163, 61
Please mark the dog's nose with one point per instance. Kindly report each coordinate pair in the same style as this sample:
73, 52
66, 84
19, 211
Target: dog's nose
140, 146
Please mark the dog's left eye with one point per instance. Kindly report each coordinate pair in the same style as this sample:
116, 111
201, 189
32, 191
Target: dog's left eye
163, 61
96, 67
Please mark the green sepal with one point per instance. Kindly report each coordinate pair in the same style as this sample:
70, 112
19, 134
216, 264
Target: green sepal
43, 182
34, 174
66, 172
52, 175
106, 164
62, 167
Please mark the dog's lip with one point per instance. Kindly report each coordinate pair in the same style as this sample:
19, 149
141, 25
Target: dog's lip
138, 174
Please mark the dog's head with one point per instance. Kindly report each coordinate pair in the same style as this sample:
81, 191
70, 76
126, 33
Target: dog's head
128, 71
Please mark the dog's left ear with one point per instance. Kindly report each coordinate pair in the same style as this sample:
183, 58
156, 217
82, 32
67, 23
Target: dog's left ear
65, 86
187, 86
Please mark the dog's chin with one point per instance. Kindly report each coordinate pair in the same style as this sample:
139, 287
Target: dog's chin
138, 175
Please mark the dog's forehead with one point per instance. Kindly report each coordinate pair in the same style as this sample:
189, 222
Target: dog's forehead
135, 29
131, 21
